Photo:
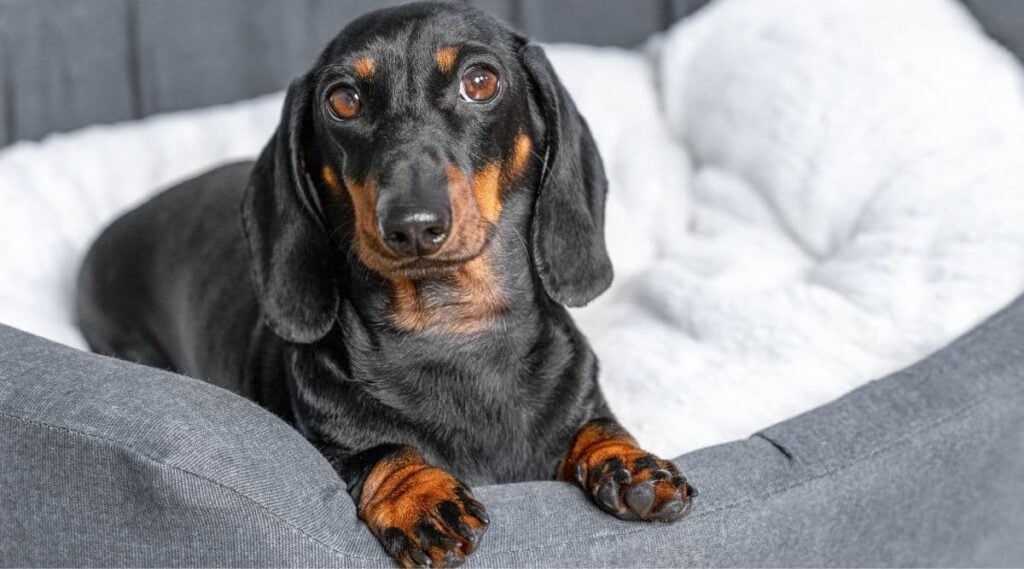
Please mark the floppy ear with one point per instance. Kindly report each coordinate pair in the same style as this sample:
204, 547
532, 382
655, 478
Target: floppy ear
568, 216
288, 243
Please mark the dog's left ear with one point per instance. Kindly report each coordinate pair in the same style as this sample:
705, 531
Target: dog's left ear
288, 242
568, 218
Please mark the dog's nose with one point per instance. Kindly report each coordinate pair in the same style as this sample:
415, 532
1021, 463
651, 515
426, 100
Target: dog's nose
415, 233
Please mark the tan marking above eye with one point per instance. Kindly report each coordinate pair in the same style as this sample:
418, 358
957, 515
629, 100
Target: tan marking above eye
446, 58
364, 67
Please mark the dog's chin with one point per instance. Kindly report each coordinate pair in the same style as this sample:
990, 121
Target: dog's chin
423, 271
445, 264
426, 268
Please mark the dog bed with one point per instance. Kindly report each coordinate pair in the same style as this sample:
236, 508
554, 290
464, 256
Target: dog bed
804, 197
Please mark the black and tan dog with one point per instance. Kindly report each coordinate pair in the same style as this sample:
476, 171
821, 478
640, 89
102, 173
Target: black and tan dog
390, 275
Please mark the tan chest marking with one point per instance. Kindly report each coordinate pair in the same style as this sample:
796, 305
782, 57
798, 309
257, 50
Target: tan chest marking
469, 302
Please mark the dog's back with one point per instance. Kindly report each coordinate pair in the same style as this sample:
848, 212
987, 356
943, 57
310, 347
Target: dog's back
138, 291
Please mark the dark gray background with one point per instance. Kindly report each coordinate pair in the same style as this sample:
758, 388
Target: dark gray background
65, 64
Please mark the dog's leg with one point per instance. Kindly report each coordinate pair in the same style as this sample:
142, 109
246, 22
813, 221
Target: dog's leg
421, 514
622, 478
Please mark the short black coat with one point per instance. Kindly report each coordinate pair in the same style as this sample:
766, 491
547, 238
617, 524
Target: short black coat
245, 277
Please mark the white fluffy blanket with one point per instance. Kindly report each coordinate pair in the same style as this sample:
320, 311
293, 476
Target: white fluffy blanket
804, 196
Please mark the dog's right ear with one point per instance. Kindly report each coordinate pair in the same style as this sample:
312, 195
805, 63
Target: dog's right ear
286, 232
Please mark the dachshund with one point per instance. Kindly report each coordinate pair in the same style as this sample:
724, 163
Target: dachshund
391, 277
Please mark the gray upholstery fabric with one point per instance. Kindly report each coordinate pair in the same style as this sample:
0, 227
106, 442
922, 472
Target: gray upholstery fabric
108, 463
1003, 20
65, 64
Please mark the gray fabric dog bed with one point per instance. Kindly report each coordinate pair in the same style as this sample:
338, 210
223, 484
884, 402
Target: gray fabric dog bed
106, 463
110, 463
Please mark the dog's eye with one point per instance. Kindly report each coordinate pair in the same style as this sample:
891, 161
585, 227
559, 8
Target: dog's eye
345, 103
479, 84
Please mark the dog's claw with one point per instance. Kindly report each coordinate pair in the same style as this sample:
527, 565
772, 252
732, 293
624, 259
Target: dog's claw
420, 558
437, 533
608, 495
394, 541
474, 508
452, 559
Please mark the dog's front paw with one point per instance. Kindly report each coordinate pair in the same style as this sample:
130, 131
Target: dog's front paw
425, 517
623, 479
636, 486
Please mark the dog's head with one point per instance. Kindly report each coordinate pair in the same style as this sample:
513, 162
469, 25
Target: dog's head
402, 144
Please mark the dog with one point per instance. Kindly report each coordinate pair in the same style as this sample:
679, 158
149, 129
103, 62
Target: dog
390, 277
